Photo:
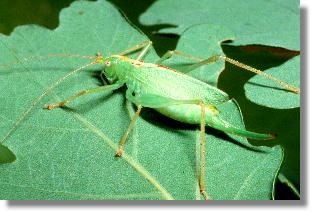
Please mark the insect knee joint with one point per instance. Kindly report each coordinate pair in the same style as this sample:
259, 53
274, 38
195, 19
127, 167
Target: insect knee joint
82, 92
213, 109
201, 103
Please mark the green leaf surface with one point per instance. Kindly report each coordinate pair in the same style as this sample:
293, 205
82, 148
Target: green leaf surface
69, 153
6, 155
201, 41
268, 93
273, 23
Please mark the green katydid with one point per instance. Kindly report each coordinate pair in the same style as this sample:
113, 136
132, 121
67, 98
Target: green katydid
169, 92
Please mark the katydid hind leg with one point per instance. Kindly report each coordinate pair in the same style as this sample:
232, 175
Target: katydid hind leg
264, 74
216, 58
106, 88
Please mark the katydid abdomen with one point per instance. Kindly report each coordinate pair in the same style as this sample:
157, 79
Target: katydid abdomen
191, 114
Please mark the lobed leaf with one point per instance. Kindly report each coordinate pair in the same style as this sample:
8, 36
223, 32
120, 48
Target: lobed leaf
69, 154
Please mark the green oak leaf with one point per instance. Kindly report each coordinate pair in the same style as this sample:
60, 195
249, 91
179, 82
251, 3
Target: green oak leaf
272, 23
68, 153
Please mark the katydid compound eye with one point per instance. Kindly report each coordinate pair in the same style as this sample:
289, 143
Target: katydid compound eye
107, 63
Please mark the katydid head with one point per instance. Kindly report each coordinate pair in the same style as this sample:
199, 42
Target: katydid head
109, 67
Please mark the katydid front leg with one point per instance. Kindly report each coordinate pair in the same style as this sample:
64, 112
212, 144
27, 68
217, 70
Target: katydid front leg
106, 88
145, 46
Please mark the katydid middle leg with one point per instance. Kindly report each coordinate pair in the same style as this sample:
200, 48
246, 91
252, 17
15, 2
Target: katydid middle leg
201, 175
215, 58
156, 101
